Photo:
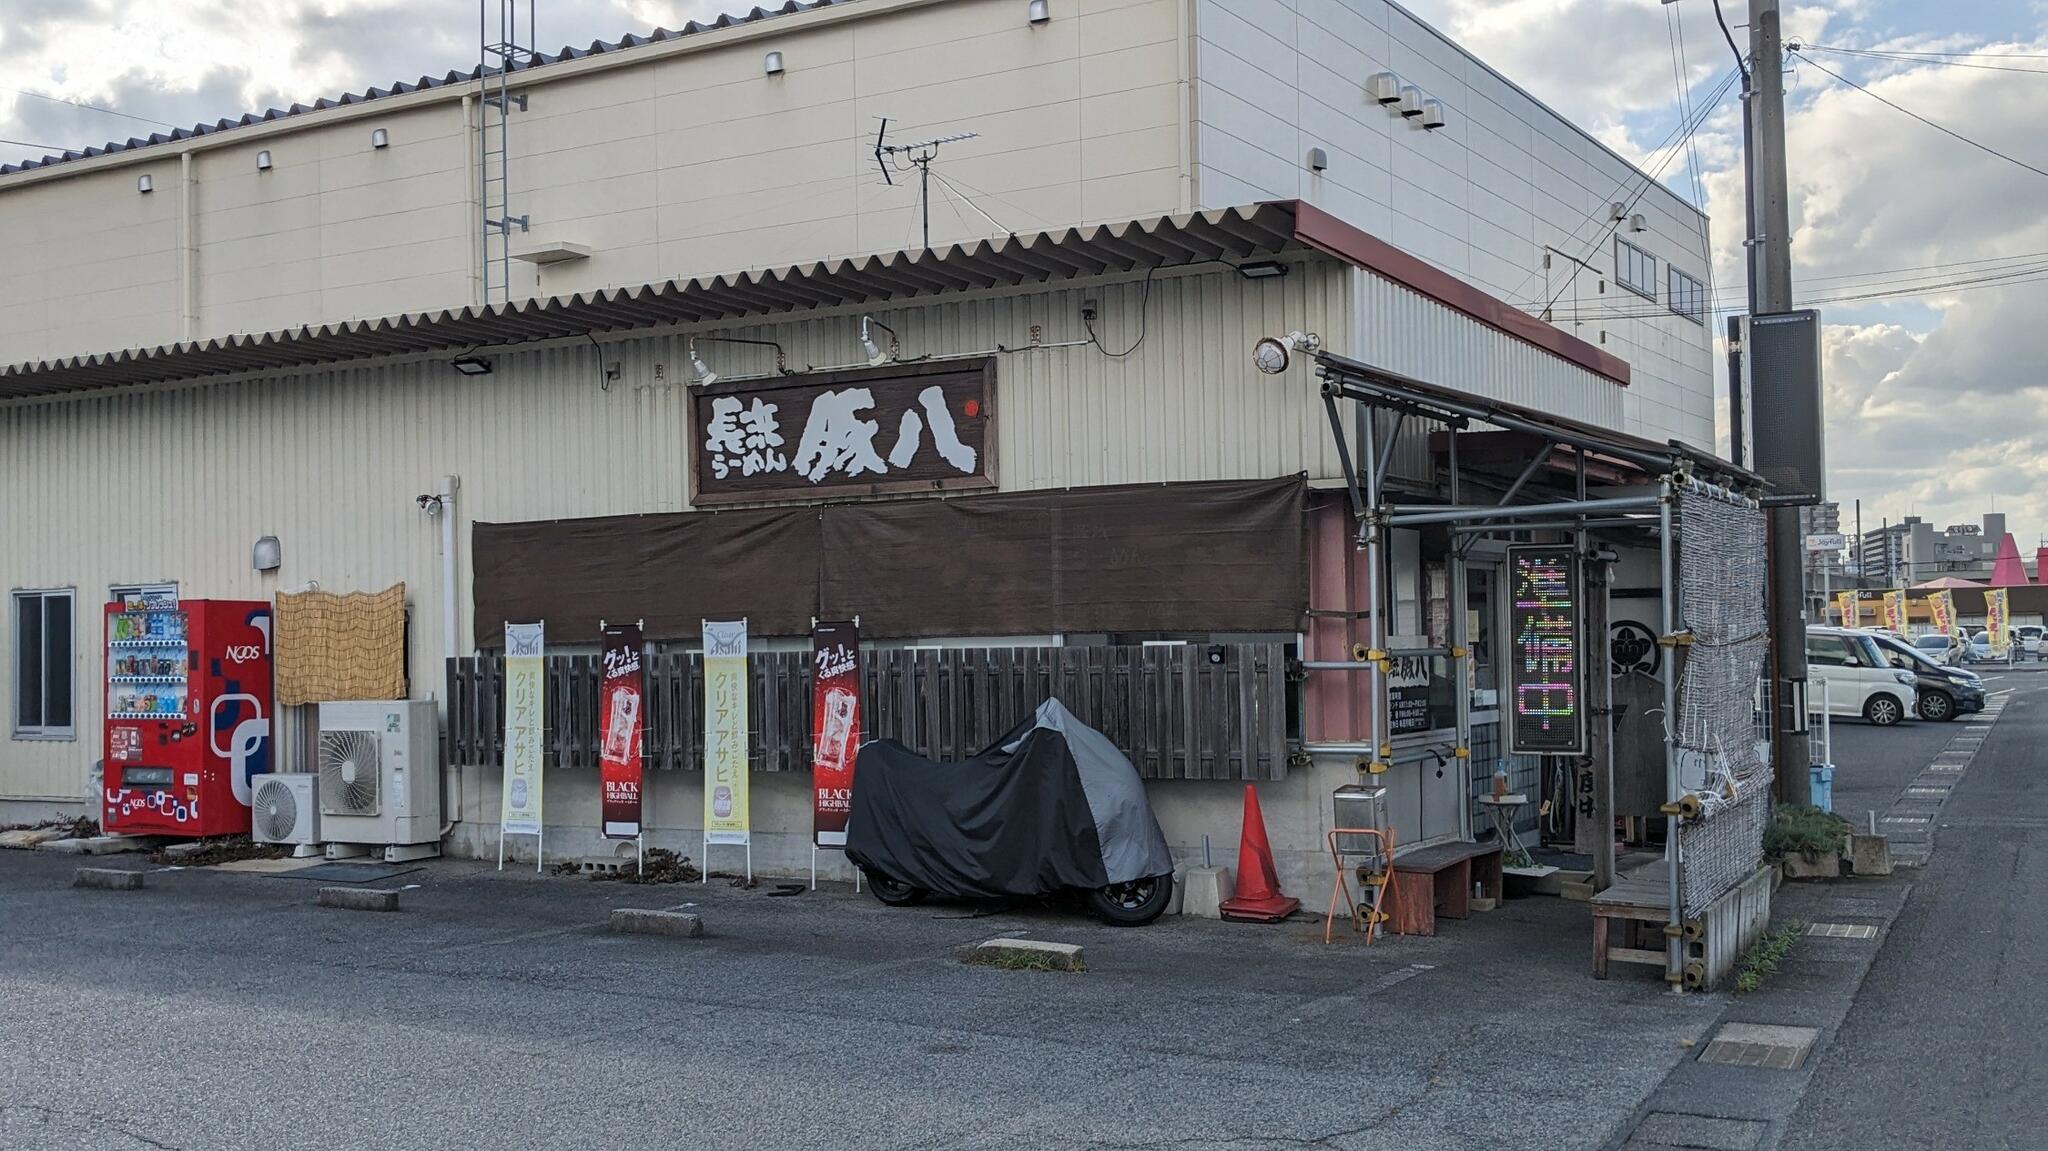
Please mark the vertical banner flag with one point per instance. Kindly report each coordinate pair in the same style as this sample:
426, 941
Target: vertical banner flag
835, 728
618, 708
1845, 602
519, 811
1895, 611
725, 732
1998, 620
1941, 608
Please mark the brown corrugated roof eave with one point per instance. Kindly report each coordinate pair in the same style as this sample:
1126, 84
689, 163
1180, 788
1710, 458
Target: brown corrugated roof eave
1324, 232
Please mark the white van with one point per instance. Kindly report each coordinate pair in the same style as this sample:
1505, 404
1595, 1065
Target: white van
1860, 680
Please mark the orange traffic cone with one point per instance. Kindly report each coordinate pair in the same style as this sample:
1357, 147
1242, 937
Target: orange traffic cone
1258, 888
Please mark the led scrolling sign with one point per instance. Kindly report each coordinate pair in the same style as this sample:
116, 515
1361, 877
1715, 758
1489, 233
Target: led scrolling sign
1544, 673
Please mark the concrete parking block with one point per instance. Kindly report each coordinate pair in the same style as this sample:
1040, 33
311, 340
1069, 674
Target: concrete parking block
359, 898
108, 879
1761, 1045
1057, 956
1207, 888
650, 921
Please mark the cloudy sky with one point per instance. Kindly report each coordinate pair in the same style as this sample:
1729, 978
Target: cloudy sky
1926, 254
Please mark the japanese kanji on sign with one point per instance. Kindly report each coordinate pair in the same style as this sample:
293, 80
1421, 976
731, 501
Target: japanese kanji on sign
902, 428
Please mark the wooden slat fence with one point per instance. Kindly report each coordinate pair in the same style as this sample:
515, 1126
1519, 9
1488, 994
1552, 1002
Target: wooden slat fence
1178, 713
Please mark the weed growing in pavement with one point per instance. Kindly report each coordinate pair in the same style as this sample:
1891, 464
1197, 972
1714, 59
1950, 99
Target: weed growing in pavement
1811, 832
1763, 957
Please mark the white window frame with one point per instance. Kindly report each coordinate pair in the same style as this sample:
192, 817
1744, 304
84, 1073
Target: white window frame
1648, 287
1695, 290
40, 731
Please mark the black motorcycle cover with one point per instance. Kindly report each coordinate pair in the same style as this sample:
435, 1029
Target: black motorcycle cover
1039, 811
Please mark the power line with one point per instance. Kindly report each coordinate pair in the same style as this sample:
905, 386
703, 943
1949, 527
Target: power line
2028, 275
91, 107
1901, 59
26, 144
1876, 277
1986, 148
1686, 128
1921, 52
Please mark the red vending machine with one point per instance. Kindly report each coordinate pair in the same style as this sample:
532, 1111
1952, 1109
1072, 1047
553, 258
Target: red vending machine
188, 715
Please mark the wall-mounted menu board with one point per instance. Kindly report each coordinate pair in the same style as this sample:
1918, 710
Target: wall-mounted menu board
1545, 672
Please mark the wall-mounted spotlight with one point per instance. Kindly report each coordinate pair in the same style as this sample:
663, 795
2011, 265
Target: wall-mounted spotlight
1039, 11
144, 184
471, 365
1270, 355
698, 367
771, 64
263, 160
877, 356
1261, 269
379, 138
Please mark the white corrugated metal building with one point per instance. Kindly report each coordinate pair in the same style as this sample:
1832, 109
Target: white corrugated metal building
145, 459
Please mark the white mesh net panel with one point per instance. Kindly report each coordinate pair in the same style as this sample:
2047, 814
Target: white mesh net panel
1721, 569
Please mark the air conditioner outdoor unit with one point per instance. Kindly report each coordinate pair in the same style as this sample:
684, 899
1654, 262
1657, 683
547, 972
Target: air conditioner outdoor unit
380, 777
285, 808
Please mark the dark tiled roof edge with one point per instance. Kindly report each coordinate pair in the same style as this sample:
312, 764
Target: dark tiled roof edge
596, 48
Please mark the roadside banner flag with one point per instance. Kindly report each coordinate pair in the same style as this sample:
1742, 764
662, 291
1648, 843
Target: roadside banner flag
726, 818
1895, 610
835, 724
621, 716
1942, 607
519, 810
1845, 603
1998, 620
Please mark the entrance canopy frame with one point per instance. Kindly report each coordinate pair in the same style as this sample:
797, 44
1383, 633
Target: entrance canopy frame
1663, 469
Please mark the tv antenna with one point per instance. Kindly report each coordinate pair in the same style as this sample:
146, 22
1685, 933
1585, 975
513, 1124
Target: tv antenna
920, 154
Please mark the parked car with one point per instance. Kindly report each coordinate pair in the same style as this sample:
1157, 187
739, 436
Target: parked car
1945, 692
1860, 679
1979, 650
1946, 650
2027, 639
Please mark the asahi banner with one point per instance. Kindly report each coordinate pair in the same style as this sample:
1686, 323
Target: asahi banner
901, 428
519, 810
835, 727
620, 713
726, 818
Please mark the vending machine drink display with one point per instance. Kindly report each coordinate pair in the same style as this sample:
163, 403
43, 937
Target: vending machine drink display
188, 716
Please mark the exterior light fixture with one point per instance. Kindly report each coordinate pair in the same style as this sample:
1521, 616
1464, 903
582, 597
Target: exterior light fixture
144, 184
266, 555
1040, 11
263, 160
471, 365
1261, 269
772, 63
698, 367
1318, 160
1270, 355
876, 355
379, 138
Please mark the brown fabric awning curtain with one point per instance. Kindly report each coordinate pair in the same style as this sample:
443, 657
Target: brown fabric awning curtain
1222, 556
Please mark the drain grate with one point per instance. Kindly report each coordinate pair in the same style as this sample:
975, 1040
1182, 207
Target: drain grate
1842, 930
1760, 1045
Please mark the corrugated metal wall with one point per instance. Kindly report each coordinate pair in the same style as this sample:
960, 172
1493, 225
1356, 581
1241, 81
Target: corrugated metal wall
177, 483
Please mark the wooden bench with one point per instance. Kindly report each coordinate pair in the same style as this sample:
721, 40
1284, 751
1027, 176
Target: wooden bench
1638, 898
1432, 881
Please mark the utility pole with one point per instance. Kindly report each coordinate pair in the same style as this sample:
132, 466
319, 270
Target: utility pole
1770, 290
